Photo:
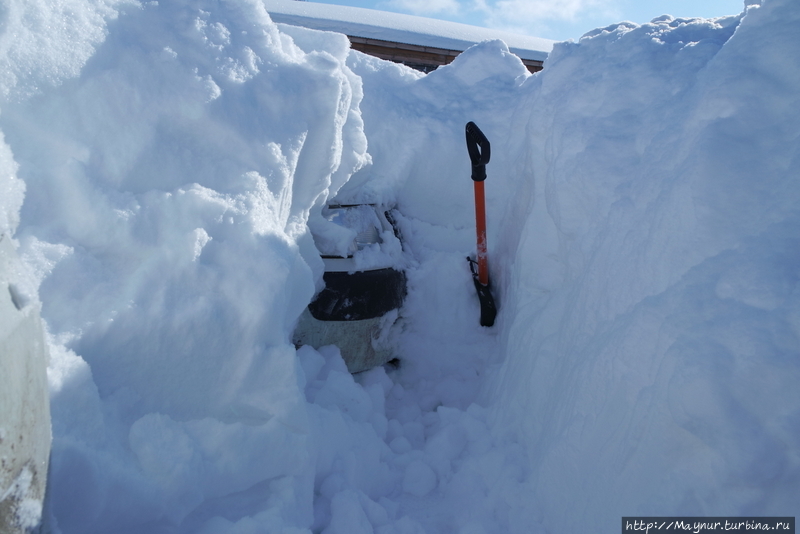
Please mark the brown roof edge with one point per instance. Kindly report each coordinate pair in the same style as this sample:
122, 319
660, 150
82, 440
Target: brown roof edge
422, 57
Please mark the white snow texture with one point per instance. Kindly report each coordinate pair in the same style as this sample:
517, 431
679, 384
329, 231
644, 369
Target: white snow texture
159, 164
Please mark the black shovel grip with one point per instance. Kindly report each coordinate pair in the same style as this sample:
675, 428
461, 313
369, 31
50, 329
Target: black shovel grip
479, 151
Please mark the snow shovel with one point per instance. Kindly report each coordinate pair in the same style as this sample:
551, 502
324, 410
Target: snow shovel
479, 153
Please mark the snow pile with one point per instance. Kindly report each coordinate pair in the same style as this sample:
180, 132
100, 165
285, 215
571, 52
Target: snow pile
642, 234
168, 188
652, 325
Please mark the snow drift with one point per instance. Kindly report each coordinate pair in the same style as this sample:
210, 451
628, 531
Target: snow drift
168, 188
160, 175
652, 336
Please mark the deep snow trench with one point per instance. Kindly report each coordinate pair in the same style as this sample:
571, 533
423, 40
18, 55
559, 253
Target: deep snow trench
159, 176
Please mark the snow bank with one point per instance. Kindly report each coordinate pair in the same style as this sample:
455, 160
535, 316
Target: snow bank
651, 325
168, 188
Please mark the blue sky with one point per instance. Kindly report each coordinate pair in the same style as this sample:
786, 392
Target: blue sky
552, 19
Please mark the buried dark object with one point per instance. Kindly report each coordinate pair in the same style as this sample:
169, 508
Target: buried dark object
360, 304
479, 153
488, 307
360, 295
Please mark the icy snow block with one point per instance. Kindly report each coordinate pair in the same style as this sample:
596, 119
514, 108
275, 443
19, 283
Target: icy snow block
360, 342
353, 312
24, 403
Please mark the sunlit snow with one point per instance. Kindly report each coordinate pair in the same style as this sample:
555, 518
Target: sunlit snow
159, 165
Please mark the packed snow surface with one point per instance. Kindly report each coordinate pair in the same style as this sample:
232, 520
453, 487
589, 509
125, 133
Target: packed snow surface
161, 166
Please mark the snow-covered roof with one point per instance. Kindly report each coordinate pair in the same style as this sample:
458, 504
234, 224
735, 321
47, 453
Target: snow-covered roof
408, 29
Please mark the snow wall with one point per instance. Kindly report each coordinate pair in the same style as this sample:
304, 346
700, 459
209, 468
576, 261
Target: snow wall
159, 175
652, 329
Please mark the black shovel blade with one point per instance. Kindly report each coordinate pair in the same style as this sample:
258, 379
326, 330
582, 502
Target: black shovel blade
488, 308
